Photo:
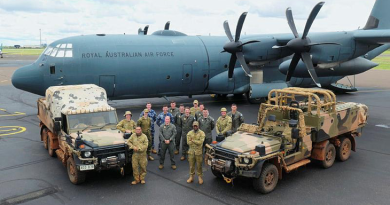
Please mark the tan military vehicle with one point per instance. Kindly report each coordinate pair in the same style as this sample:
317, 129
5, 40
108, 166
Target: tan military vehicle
79, 127
294, 127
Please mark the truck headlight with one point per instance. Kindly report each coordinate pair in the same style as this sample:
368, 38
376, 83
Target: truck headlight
87, 154
246, 160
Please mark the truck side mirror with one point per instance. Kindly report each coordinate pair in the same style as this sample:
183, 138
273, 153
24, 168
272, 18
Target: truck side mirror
295, 133
57, 127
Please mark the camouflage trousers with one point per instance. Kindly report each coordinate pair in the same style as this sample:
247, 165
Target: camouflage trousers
149, 150
171, 148
184, 145
178, 137
198, 160
139, 163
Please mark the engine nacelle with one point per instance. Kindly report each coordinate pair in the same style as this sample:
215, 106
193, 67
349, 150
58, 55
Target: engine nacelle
262, 90
352, 67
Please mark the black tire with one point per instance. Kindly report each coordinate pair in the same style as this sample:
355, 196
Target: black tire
344, 151
75, 176
330, 156
52, 152
216, 173
267, 180
128, 169
44, 137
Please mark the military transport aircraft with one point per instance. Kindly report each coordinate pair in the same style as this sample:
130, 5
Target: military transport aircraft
170, 63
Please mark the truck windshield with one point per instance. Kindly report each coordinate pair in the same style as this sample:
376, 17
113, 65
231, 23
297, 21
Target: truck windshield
93, 120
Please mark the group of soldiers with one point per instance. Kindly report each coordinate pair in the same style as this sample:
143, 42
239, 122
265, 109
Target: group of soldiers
189, 127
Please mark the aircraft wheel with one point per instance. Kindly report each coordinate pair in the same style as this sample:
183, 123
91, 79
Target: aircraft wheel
344, 151
330, 156
268, 179
255, 100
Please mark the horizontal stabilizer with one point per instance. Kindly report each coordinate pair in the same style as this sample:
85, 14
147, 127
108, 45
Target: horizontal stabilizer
372, 36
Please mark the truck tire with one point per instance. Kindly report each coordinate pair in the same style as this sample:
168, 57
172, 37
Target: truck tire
44, 137
128, 169
52, 152
344, 151
330, 156
267, 180
75, 176
216, 173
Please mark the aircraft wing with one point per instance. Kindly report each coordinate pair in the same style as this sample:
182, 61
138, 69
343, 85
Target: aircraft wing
373, 36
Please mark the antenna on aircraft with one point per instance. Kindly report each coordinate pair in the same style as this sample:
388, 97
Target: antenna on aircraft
167, 25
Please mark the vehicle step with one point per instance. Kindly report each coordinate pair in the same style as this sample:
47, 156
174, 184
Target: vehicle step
291, 167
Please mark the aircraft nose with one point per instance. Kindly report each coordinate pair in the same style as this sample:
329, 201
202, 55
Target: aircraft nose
28, 78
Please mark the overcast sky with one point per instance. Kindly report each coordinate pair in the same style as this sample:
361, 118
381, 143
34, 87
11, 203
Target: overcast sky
22, 19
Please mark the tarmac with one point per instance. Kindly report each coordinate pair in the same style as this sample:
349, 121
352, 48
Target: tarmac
29, 175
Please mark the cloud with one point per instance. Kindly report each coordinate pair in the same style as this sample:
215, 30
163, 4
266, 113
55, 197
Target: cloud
37, 6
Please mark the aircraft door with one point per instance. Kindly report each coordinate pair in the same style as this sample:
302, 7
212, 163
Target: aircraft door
187, 74
108, 83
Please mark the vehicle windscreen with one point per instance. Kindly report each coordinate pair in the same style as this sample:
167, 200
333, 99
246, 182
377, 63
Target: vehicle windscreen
91, 120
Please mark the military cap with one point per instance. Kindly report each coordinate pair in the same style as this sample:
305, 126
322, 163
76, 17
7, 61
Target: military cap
195, 123
196, 101
146, 110
128, 113
223, 109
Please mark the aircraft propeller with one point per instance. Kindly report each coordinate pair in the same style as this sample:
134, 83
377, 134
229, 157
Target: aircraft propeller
235, 46
301, 45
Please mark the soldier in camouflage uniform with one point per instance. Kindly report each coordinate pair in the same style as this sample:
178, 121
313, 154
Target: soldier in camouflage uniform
186, 125
138, 142
207, 124
194, 109
127, 126
144, 122
237, 118
167, 139
195, 139
178, 128
199, 113
224, 124
153, 116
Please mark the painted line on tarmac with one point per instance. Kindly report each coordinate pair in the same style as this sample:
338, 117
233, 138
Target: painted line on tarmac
11, 130
200, 192
29, 196
9, 114
25, 164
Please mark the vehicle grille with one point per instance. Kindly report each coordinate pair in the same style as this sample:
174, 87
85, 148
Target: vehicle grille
225, 153
111, 150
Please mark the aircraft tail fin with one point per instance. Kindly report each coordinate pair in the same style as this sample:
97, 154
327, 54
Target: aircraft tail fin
380, 16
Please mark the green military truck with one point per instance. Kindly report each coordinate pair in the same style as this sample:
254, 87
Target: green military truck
79, 127
295, 127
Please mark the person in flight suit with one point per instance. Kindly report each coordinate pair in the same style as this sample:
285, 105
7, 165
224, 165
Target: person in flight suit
160, 121
237, 118
186, 125
167, 139
206, 124
199, 113
195, 140
178, 128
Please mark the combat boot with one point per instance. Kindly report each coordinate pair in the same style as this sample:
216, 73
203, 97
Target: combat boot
134, 182
150, 158
191, 179
176, 152
200, 179
143, 181
173, 167
161, 166
182, 158
154, 151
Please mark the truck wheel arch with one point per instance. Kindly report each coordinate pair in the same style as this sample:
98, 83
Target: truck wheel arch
275, 161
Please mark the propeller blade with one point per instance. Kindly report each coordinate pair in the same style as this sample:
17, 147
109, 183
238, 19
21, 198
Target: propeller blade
310, 68
232, 64
312, 16
293, 65
249, 42
317, 44
223, 51
167, 25
146, 29
240, 23
290, 21
244, 66
227, 31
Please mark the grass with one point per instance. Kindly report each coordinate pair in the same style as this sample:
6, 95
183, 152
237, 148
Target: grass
383, 61
23, 51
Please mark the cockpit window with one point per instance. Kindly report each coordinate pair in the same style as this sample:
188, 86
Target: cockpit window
60, 50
